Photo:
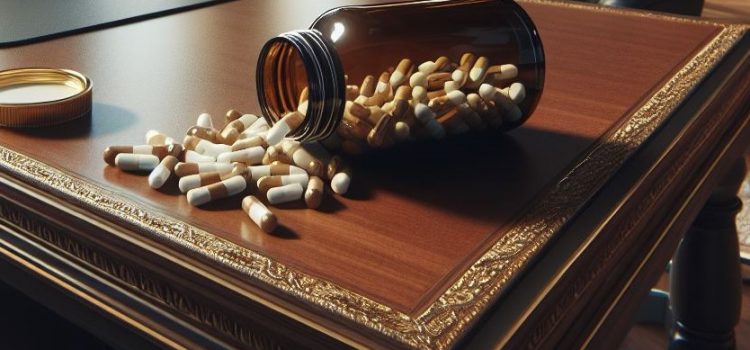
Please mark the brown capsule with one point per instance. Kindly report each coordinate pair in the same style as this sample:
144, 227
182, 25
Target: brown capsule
435, 81
376, 113
441, 63
314, 192
435, 94
453, 123
378, 134
402, 93
367, 89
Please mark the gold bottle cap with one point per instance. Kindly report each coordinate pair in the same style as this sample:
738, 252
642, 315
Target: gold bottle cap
34, 97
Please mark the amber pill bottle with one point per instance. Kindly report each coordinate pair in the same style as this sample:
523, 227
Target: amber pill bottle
345, 45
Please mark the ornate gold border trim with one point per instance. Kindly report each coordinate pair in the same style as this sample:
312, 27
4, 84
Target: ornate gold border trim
446, 319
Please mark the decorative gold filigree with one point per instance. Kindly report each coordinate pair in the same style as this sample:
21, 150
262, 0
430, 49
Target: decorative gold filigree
446, 319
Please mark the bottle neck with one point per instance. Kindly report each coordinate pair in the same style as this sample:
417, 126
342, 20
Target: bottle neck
278, 89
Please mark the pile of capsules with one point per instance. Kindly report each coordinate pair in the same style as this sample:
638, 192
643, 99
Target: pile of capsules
212, 164
429, 100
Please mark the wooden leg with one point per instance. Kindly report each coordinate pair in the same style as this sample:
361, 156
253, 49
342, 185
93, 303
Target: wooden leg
705, 280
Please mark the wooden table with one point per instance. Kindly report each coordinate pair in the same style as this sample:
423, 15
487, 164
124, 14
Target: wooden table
558, 231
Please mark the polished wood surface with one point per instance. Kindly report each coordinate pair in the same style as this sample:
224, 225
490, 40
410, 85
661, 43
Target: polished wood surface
390, 240
160, 74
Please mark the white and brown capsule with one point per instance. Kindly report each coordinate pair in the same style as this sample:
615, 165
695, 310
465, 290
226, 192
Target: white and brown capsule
136, 162
225, 188
185, 169
231, 131
259, 214
286, 193
190, 182
159, 151
276, 168
283, 127
266, 183
162, 172
461, 74
401, 73
314, 192
205, 147
249, 156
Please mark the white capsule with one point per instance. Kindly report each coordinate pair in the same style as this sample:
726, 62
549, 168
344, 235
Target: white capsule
259, 214
508, 71
286, 193
195, 157
249, 156
427, 117
265, 183
456, 97
162, 172
229, 187
136, 162
340, 182
516, 92
427, 67
205, 121
451, 85
418, 79
283, 127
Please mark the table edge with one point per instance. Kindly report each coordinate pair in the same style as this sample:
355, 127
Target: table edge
443, 322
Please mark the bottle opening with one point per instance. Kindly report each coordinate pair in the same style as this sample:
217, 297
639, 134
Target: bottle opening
292, 62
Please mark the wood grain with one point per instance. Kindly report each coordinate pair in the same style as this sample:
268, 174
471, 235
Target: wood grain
403, 234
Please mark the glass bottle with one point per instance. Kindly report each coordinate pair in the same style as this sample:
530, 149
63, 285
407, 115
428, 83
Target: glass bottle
318, 67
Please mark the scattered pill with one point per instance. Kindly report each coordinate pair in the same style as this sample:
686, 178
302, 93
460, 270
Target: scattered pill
229, 187
314, 192
259, 171
259, 214
162, 172
340, 182
265, 183
159, 151
136, 162
190, 182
